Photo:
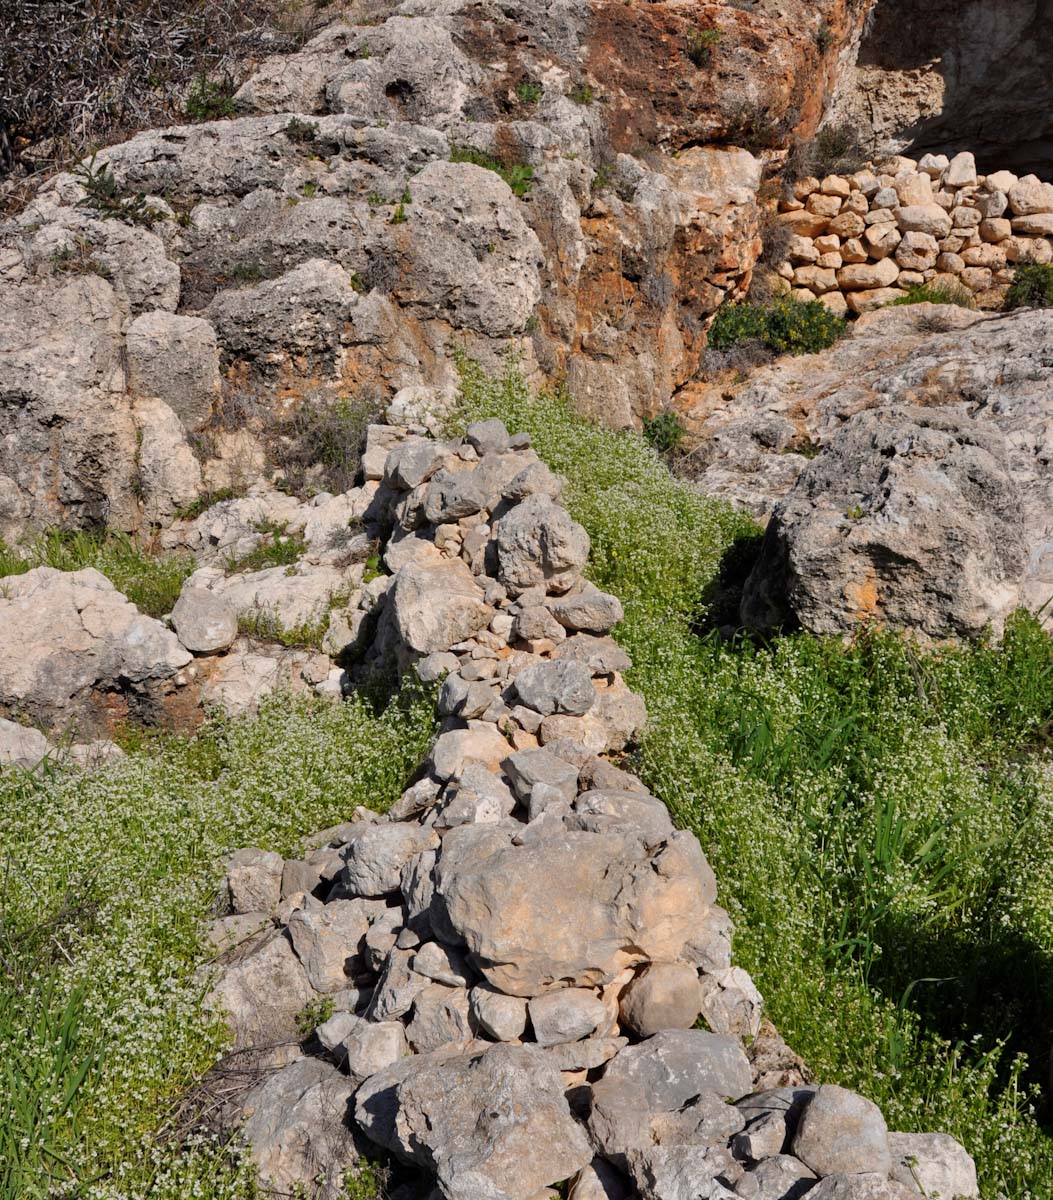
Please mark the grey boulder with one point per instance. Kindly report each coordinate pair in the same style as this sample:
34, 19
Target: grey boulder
842, 1133
910, 518
204, 622
491, 1124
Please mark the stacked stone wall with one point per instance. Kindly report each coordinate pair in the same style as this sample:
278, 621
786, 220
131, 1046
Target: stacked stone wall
861, 241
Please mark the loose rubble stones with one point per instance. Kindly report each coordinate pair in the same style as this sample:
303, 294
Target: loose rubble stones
516, 956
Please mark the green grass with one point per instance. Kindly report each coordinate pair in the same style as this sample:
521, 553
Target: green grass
152, 582
279, 548
879, 816
936, 293
105, 882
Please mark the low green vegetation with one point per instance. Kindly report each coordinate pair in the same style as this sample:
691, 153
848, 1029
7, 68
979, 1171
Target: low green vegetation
879, 815
1032, 287
529, 92
278, 548
518, 176
151, 581
104, 197
937, 293
700, 44
786, 326
208, 100
665, 432
106, 879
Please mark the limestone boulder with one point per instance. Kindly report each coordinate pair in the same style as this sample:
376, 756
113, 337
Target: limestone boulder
539, 545
436, 605
76, 635
466, 252
21, 745
664, 996
932, 1164
262, 994
842, 1133
488, 1124
297, 1128
575, 910
910, 518
204, 622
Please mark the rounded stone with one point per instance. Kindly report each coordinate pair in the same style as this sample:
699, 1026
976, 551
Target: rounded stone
665, 996
842, 1133
204, 622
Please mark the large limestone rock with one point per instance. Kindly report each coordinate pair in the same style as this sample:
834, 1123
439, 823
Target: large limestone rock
538, 544
996, 368
175, 359
841, 1133
262, 994
576, 909
489, 1124
436, 605
76, 634
910, 518
933, 1164
297, 1127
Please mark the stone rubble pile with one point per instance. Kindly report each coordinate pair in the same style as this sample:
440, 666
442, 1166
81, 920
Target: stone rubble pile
525, 975
860, 241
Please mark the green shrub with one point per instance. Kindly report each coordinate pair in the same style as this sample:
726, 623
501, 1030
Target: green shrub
209, 101
880, 830
786, 326
665, 433
937, 293
581, 94
518, 176
1032, 287
529, 93
151, 581
700, 44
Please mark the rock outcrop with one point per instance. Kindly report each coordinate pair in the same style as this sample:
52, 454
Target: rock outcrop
518, 957
909, 518
486, 177
756, 437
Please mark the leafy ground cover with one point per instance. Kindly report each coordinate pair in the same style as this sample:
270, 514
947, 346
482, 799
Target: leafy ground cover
104, 881
879, 815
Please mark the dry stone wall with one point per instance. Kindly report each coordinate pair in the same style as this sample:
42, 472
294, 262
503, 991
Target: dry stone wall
527, 978
862, 240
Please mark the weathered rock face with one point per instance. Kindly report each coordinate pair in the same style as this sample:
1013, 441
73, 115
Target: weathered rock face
909, 518
953, 74
327, 242
994, 369
85, 652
